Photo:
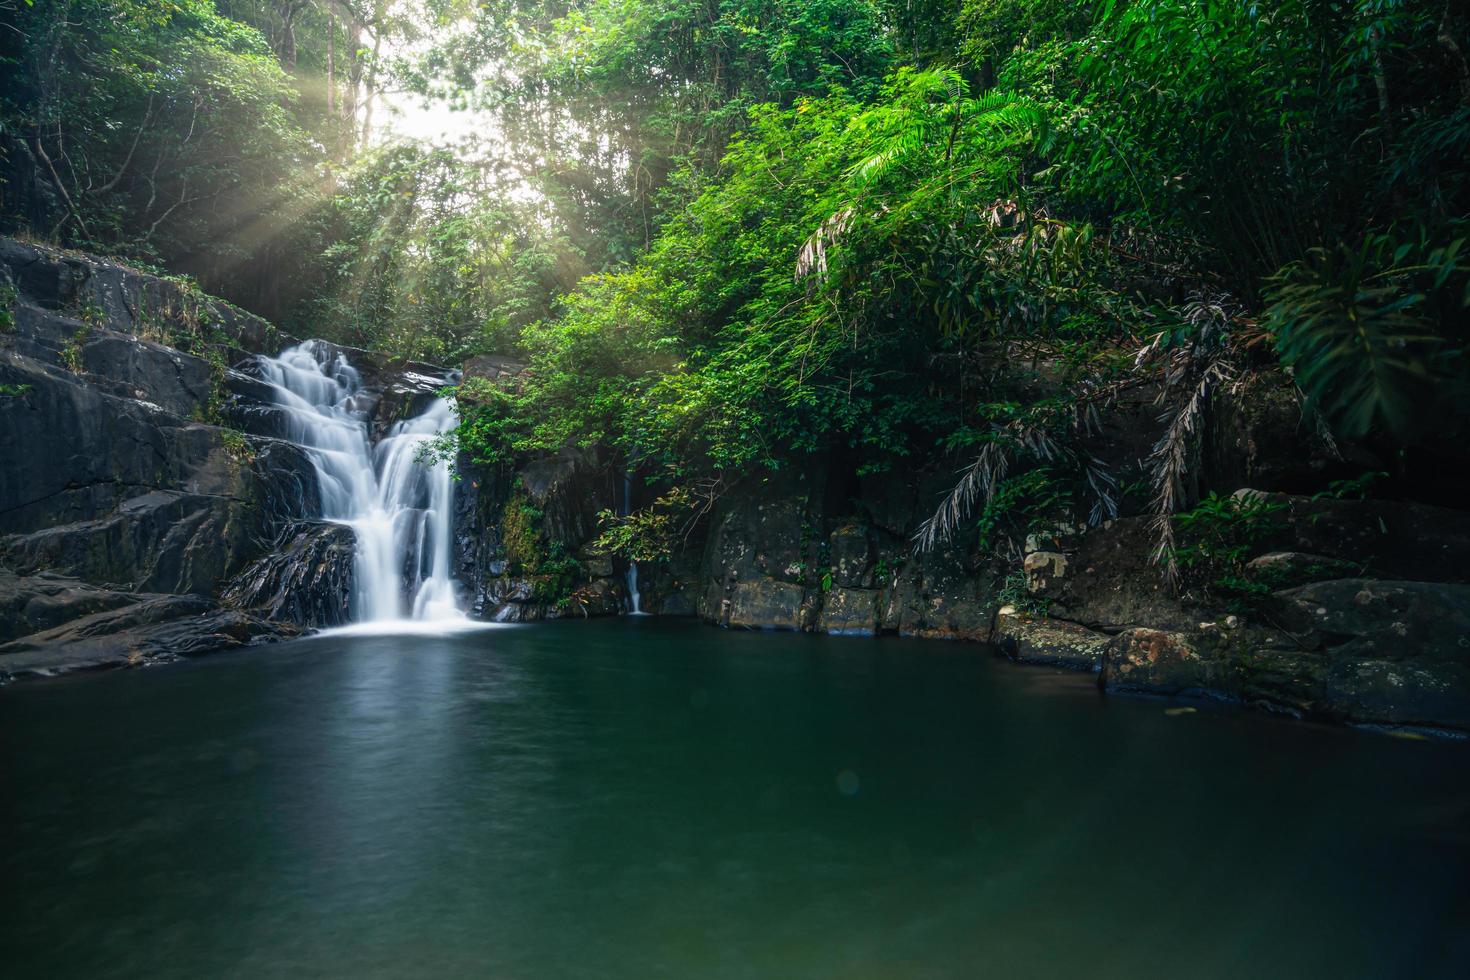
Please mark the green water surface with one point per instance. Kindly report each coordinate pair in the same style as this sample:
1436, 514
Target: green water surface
644, 799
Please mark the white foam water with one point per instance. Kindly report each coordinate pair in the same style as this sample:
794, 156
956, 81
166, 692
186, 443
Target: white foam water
399, 506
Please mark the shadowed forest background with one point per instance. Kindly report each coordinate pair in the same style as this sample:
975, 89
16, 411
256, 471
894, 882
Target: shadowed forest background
727, 233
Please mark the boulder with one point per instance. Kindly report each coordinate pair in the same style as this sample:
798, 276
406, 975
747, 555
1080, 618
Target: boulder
1417, 693
1158, 662
765, 604
491, 368
938, 596
1258, 435
850, 612
406, 395
1390, 539
1039, 640
1370, 619
1044, 570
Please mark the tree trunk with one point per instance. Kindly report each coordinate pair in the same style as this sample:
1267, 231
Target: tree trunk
331, 65
372, 79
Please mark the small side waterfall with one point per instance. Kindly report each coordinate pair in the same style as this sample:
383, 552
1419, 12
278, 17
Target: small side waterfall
398, 507
632, 574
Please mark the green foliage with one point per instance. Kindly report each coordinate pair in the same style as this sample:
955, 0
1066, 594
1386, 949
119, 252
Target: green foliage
651, 534
156, 125
429, 260
520, 534
8, 296
781, 310
1014, 592
1025, 504
13, 391
237, 446
71, 351
1376, 333
726, 236
1217, 537
554, 574
1355, 488
556, 578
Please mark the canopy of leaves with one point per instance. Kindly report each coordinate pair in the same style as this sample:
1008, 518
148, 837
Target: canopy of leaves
729, 233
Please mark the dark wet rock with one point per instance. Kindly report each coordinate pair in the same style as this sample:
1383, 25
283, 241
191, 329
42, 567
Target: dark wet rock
757, 558
407, 395
850, 611
1260, 436
283, 487
1158, 662
1285, 569
307, 579
491, 368
154, 629
850, 555
160, 541
1044, 570
1429, 693
1392, 539
602, 596
86, 451
1358, 650
1371, 619
128, 301
1039, 640
1107, 580
177, 383
522, 538
941, 598
764, 603
524, 599
34, 603
671, 588
566, 488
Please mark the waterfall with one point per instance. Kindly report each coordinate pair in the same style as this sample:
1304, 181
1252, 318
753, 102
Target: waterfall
632, 574
399, 508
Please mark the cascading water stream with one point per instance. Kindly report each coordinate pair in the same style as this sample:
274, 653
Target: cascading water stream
632, 575
398, 507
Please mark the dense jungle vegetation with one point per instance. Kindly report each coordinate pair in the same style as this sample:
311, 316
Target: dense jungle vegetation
724, 234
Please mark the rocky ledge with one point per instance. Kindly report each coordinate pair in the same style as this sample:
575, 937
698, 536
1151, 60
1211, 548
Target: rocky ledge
1371, 626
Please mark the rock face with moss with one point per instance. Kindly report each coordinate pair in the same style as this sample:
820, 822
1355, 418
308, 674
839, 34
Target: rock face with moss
525, 537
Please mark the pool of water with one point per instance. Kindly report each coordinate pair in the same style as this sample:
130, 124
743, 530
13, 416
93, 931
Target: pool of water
642, 798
